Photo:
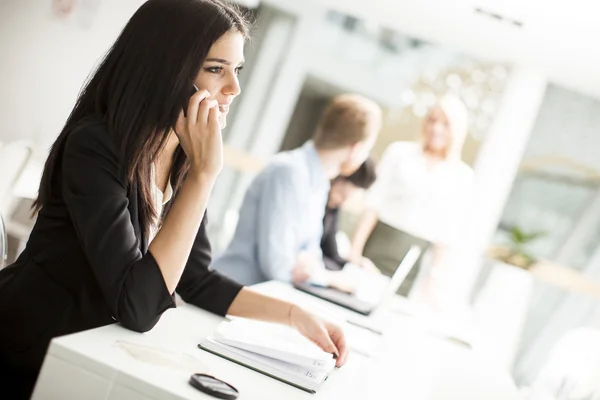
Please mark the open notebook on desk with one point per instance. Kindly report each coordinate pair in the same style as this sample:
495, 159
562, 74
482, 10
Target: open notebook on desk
271, 349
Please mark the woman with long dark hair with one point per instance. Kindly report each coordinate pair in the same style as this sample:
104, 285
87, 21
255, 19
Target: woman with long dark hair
121, 205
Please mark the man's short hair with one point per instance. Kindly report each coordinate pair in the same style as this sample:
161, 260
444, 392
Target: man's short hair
364, 176
347, 120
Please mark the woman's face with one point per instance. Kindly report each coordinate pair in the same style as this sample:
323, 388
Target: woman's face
436, 131
219, 73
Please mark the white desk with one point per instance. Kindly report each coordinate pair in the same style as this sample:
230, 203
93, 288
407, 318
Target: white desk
410, 365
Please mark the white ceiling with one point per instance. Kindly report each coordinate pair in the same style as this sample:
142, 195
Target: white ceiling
558, 36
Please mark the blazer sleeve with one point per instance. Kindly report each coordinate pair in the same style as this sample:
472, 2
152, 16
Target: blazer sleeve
204, 287
96, 199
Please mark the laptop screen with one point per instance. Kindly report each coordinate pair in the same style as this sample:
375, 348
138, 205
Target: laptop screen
406, 265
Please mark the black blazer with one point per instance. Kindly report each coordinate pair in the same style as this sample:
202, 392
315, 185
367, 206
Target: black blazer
87, 263
331, 257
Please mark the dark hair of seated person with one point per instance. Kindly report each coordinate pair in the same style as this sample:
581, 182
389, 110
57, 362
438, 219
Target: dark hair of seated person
364, 176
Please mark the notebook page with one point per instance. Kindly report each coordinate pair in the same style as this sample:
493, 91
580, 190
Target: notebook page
303, 376
275, 341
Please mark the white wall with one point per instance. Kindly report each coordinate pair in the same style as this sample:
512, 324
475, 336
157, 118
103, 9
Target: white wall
45, 62
568, 125
500, 154
567, 128
495, 169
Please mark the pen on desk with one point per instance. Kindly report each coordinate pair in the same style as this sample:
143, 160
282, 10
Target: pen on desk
375, 331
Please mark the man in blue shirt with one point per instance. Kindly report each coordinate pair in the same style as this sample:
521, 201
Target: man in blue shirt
281, 219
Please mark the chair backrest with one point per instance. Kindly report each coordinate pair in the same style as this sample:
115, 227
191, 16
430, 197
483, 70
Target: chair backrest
3, 244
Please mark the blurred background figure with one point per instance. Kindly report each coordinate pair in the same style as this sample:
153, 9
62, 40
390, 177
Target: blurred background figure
421, 195
279, 231
343, 188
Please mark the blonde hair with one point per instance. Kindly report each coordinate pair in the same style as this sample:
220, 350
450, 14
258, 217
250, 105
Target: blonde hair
347, 119
458, 120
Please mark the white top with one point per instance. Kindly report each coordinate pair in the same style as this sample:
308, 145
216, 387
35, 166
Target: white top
160, 199
425, 200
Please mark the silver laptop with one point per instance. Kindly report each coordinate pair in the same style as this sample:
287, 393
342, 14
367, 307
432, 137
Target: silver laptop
361, 304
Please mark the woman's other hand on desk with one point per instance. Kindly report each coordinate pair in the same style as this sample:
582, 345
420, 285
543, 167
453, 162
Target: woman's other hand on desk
254, 305
324, 334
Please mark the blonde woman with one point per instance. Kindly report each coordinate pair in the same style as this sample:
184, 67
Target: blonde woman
421, 194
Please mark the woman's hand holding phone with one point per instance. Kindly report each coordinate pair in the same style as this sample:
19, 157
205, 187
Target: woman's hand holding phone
199, 134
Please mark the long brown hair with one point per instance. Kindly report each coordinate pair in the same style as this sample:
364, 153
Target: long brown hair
140, 86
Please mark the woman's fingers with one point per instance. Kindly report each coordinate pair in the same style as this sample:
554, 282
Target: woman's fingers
322, 339
199, 133
328, 336
204, 109
214, 116
339, 340
194, 104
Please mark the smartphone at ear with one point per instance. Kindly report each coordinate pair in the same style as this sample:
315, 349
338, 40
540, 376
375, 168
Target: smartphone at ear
186, 101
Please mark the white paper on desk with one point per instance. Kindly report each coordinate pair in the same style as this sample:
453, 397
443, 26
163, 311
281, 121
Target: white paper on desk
308, 376
171, 360
362, 341
456, 327
369, 285
273, 340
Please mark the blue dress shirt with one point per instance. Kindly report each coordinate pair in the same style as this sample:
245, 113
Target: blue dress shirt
281, 215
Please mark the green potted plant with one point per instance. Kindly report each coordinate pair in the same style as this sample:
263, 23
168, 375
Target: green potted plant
516, 251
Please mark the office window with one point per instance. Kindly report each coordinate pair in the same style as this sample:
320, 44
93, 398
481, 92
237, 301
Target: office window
548, 203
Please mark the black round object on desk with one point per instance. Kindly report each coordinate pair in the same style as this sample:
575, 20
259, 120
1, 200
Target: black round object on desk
214, 387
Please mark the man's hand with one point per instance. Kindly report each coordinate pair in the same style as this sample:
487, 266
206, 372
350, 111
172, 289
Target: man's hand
368, 265
305, 267
342, 281
300, 274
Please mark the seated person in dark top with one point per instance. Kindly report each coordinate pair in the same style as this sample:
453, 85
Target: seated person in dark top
343, 188
121, 218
